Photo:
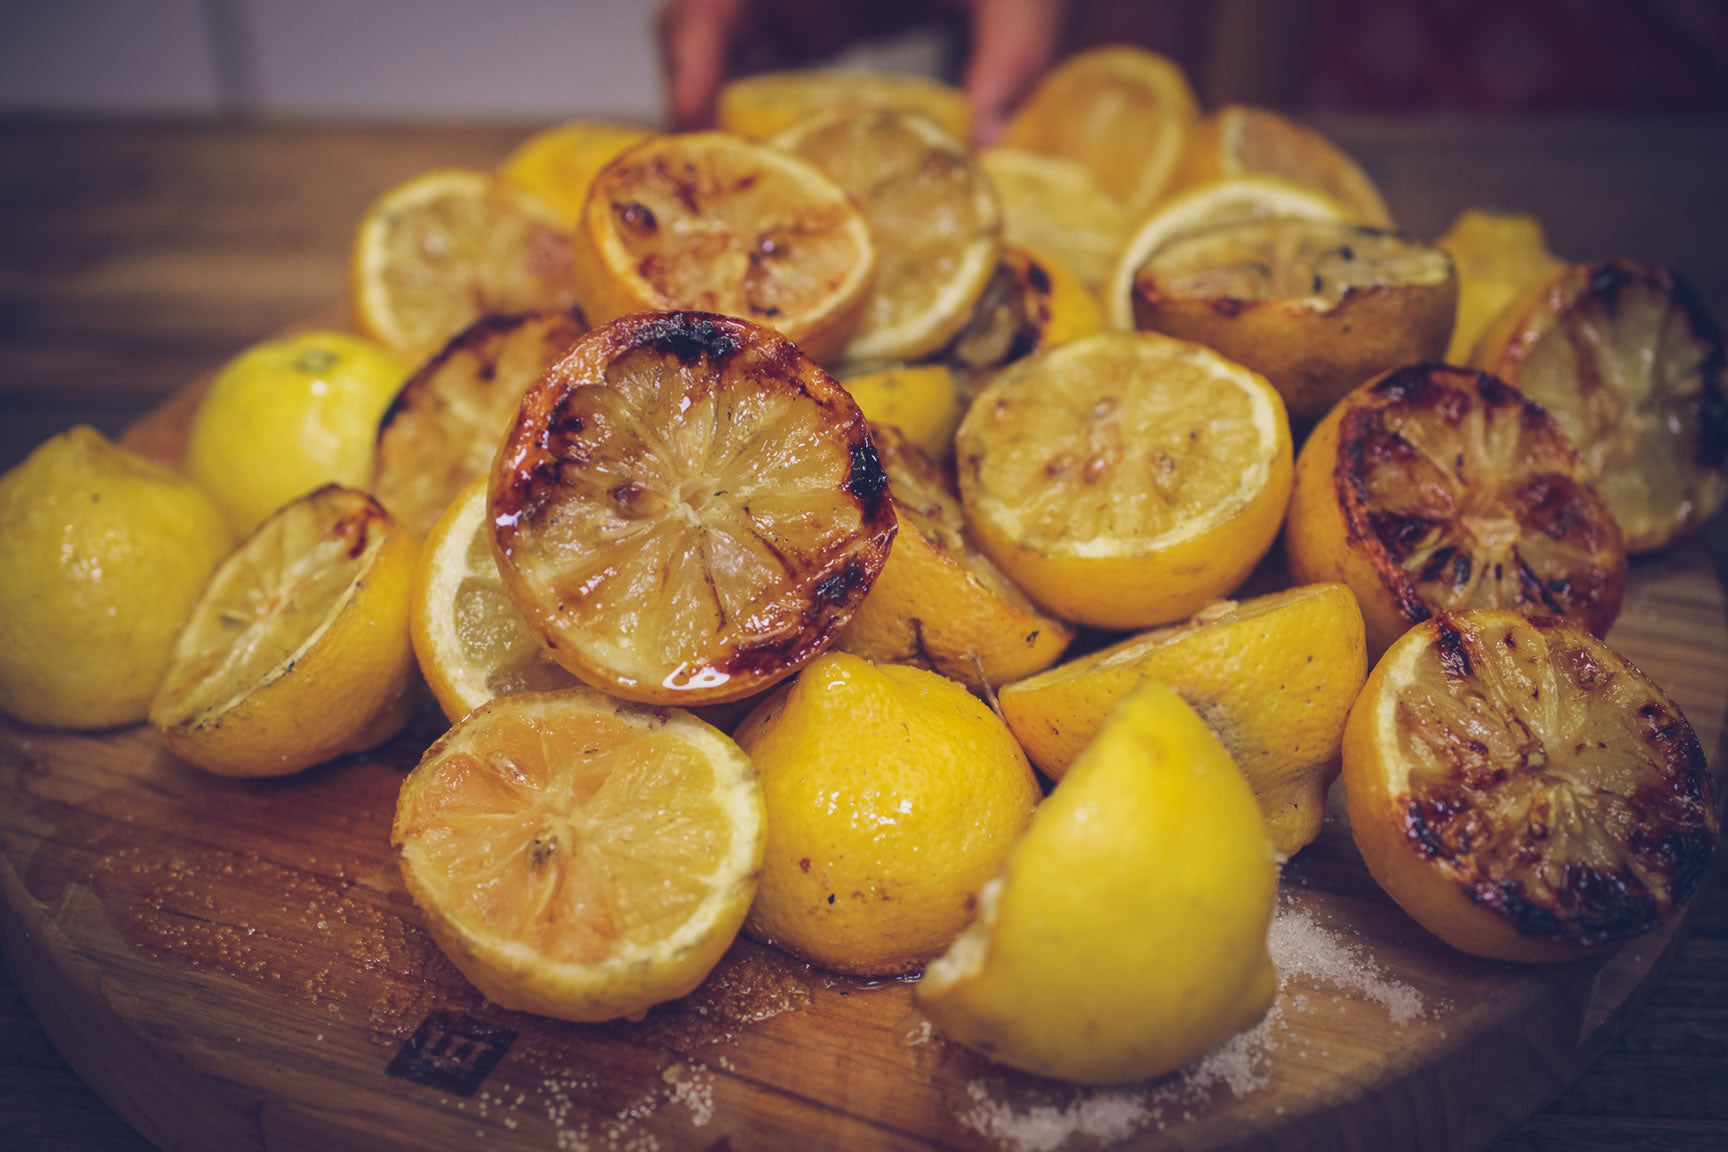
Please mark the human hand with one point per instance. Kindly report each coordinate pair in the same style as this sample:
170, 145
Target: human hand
1013, 43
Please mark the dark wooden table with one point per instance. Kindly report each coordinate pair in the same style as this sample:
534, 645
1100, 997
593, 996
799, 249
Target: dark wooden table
137, 255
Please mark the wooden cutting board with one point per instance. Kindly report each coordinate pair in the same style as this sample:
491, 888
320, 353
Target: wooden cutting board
235, 965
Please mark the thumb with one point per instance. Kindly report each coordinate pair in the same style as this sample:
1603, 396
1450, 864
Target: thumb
1013, 43
695, 40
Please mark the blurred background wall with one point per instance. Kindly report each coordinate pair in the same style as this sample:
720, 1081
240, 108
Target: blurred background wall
469, 58
554, 58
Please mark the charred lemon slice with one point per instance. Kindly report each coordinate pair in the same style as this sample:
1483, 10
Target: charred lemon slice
1316, 306
440, 249
714, 223
940, 603
1437, 488
933, 217
1122, 112
1242, 140
1031, 302
768, 103
1630, 363
1522, 791
443, 427
688, 509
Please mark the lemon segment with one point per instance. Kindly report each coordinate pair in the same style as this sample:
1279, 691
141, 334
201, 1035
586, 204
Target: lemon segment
579, 857
920, 400
1030, 303
1498, 256
1243, 140
1273, 676
710, 222
1436, 488
1122, 112
1153, 828
933, 216
469, 638
438, 250
939, 602
1629, 362
892, 794
1316, 306
765, 105
299, 650
1054, 208
105, 553
1223, 201
559, 162
290, 415
443, 428
1126, 479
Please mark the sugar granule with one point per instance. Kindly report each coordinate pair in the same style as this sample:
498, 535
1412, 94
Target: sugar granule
1105, 1115
693, 1087
1301, 944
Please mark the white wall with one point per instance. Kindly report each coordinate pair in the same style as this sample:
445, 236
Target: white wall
469, 58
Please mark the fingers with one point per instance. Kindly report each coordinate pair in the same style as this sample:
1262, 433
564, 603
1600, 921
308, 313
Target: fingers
1013, 43
696, 38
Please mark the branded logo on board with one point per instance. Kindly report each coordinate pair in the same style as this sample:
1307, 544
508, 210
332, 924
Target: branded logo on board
452, 1053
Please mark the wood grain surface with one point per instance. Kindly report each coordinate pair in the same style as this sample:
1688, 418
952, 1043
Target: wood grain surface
196, 946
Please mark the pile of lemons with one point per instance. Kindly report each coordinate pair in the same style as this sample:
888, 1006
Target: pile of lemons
738, 495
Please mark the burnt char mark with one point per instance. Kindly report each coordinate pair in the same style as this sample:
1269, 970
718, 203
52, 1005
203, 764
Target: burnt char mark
355, 528
1038, 278
1496, 393
1680, 854
1590, 906
867, 480
546, 431
1679, 829
1365, 444
1712, 401
1462, 565
1556, 505
1400, 532
1675, 744
689, 336
563, 438
1454, 655
1529, 919
1712, 420
478, 337
1606, 281
1025, 342
1422, 834
635, 216
1536, 590
1448, 564
843, 586
1403, 384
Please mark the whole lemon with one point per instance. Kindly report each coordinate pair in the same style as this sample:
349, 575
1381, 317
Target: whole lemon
1128, 933
893, 795
105, 553
290, 415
